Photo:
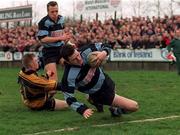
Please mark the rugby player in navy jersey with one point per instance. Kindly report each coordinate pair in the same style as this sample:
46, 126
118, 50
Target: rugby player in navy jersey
80, 75
52, 36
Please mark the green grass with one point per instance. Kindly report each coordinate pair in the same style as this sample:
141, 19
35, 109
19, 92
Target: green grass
156, 92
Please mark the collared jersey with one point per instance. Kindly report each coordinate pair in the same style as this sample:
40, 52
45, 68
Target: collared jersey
34, 89
85, 78
47, 27
175, 45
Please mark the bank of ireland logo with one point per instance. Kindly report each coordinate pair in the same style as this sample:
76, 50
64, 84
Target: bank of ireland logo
80, 6
115, 3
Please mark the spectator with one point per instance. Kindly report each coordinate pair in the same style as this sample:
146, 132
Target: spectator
175, 48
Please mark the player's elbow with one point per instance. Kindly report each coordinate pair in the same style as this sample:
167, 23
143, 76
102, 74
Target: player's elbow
43, 39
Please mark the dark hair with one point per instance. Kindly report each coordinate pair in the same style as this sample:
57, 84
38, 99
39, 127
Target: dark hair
67, 51
27, 59
52, 3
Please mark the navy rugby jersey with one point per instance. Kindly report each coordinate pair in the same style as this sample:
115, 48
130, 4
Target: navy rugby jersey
47, 27
83, 78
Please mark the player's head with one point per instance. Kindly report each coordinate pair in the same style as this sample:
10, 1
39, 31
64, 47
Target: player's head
81, 40
52, 9
71, 55
30, 61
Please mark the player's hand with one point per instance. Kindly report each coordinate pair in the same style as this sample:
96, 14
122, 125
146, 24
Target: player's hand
65, 37
50, 73
100, 57
61, 62
87, 113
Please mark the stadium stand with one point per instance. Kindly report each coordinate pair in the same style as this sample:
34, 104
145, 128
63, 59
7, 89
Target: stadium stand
131, 33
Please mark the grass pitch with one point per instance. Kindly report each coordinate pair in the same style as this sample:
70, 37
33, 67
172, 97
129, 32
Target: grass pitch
156, 92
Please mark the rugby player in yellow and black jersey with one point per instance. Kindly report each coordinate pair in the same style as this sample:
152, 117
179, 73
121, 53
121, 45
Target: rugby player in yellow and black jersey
38, 91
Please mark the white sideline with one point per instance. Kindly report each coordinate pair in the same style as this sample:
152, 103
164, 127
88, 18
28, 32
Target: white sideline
106, 125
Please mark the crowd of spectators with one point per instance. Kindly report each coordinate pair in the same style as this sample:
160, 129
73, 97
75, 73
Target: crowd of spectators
19, 39
125, 33
132, 33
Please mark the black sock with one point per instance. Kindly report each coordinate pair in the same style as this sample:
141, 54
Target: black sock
118, 110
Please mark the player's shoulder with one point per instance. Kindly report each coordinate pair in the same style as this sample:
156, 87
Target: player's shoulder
176, 39
43, 20
86, 46
173, 41
61, 17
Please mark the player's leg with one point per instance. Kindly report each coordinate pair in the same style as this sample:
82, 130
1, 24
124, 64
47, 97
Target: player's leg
60, 104
98, 106
178, 63
52, 68
52, 104
125, 103
51, 57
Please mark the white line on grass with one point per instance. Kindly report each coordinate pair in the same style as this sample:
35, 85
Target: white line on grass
54, 131
106, 125
138, 121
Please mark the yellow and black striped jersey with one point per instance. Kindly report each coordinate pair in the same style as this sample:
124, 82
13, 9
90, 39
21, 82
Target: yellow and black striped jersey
34, 89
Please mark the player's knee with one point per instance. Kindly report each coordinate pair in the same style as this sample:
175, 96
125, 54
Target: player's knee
134, 107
